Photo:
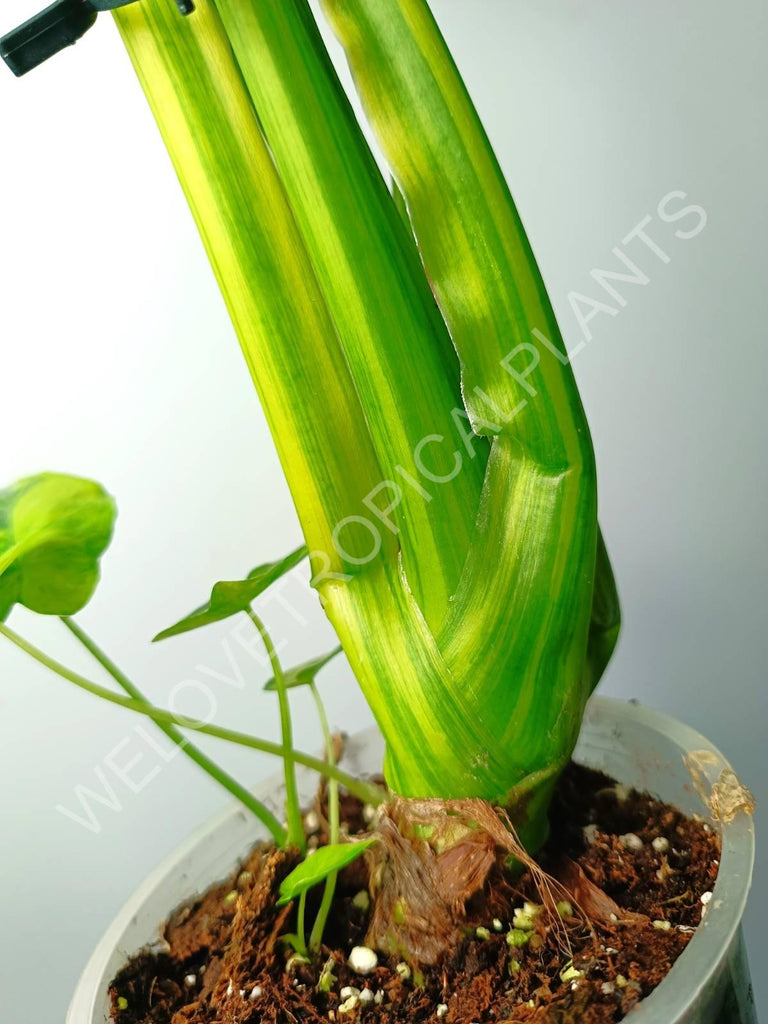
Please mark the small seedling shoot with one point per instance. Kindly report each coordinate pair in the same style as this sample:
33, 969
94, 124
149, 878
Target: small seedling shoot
54, 529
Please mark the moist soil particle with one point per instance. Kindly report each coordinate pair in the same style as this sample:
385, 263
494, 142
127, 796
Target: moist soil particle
224, 962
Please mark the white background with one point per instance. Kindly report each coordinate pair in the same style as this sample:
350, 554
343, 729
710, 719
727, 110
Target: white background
118, 363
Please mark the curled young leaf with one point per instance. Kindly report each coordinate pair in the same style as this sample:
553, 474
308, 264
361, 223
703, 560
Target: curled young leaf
53, 530
304, 674
233, 596
315, 869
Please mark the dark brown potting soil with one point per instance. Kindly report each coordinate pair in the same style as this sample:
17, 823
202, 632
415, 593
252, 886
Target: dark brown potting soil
635, 902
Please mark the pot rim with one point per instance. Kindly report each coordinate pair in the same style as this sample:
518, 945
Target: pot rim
667, 1001
718, 931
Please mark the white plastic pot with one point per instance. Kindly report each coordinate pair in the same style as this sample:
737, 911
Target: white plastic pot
709, 984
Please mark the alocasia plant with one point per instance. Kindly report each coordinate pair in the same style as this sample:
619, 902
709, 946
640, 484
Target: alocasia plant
412, 373
414, 379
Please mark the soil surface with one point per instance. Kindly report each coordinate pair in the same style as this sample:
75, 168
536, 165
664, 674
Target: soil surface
639, 874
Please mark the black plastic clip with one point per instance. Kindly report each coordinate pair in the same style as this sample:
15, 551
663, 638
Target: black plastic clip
59, 25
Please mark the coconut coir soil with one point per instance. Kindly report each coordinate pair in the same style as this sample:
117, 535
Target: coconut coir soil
226, 963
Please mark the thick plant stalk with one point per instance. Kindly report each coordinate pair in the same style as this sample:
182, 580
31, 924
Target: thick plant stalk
393, 339
475, 658
291, 346
540, 496
475, 252
288, 338
295, 93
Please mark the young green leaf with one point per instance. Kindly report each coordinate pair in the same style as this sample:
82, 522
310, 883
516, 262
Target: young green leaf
53, 530
315, 869
230, 597
304, 674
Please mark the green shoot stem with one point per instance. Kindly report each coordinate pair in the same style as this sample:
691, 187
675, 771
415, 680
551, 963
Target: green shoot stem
316, 937
293, 807
365, 791
301, 931
333, 786
194, 753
